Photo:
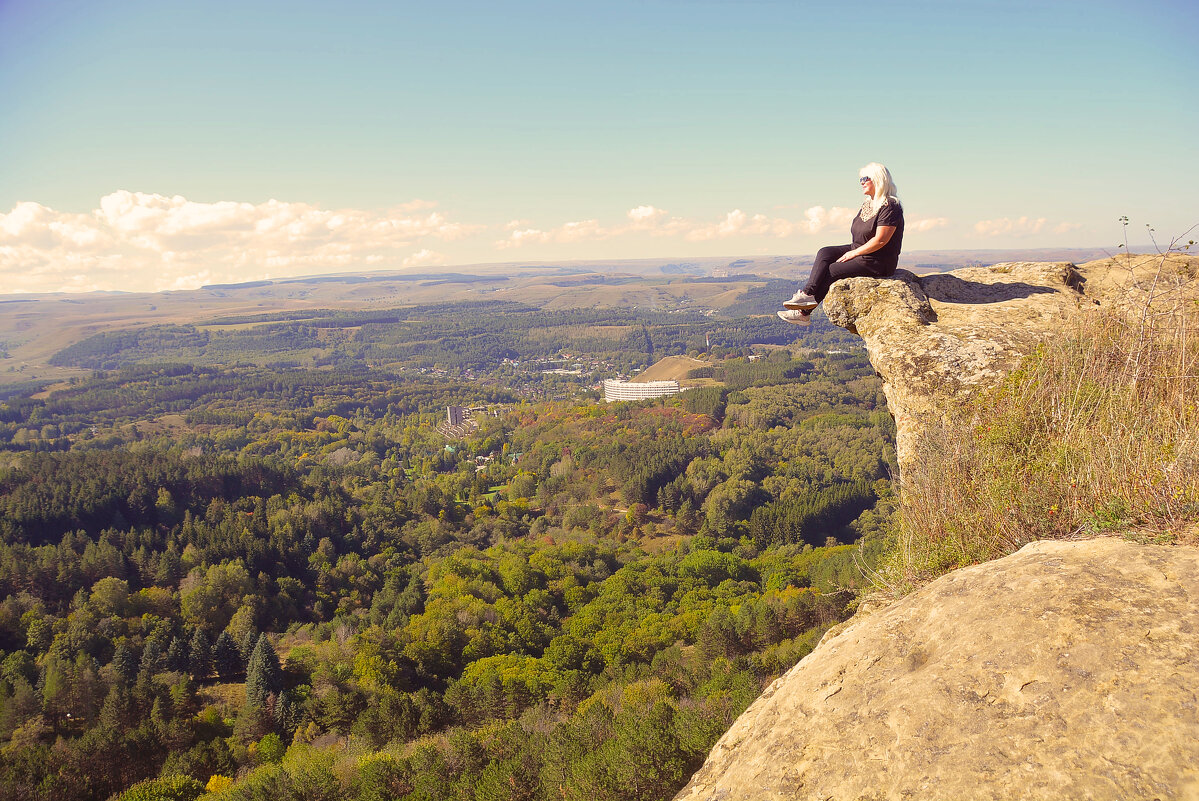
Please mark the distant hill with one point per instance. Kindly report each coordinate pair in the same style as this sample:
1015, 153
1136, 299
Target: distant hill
671, 368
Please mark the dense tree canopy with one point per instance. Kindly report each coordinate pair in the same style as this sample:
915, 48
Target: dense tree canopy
285, 582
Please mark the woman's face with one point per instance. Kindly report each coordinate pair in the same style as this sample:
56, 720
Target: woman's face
867, 186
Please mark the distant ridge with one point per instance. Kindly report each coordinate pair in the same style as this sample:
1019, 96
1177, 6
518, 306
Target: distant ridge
353, 278
246, 285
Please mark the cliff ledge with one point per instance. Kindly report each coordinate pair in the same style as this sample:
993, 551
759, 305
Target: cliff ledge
1065, 670
934, 339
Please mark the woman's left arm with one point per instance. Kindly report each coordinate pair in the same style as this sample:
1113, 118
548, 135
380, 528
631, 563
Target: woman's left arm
882, 235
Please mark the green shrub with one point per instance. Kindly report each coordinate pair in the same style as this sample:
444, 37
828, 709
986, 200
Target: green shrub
170, 788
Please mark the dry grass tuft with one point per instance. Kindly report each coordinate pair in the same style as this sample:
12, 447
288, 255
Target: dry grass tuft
1098, 431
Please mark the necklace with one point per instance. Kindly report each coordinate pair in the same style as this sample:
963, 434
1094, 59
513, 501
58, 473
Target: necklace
869, 209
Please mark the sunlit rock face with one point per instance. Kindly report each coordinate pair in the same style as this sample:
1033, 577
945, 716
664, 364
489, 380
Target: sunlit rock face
1066, 670
936, 338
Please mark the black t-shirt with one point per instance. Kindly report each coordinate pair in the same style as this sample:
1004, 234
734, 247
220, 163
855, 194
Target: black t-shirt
886, 257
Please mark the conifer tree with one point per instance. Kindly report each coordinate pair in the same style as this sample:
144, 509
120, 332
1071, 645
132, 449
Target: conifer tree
152, 658
177, 655
226, 657
201, 655
158, 716
55, 687
124, 665
288, 713
246, 646
117, 711
264, 677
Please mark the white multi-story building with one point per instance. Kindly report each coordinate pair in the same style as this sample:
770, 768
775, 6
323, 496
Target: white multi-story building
630, 391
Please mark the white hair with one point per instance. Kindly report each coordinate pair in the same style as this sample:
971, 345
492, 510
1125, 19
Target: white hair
884, 187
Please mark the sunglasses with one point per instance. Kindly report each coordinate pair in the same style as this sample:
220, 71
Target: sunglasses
864, 180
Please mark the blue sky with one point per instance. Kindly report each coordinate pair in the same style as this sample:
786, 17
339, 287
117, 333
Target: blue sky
153, 145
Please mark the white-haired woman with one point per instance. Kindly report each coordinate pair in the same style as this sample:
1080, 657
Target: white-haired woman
877, 233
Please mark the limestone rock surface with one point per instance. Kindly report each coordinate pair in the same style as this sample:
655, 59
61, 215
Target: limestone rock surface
1066, 670
936, 338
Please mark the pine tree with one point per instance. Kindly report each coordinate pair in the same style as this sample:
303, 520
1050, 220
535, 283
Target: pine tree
177, 655
201, 655
55, 687
158, 717
152, 658
124, 665
289, 713
117, 712
264, 677
227, 658
246, 646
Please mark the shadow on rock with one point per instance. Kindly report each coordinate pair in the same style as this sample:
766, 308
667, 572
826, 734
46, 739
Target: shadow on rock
951, 289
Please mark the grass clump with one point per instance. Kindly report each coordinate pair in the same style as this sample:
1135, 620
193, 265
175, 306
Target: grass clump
1096, 432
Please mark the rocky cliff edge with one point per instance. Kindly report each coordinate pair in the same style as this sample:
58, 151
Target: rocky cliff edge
934, 339
1066, 670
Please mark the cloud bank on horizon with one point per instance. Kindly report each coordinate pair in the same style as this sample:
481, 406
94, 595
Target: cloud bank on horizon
136, 241
139, 241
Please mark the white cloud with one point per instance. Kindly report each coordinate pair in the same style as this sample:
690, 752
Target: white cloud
416, 205
657, 222
567, 233
424, 258
1005, 226
817, 218
524, 235
582, 231
1066, 227
733, 224
645, 216
927, 224
140, 241
738, 223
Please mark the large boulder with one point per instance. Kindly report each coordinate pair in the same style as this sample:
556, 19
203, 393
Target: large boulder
1066, 670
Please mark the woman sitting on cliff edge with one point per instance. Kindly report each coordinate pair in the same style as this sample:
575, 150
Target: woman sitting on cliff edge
877, 234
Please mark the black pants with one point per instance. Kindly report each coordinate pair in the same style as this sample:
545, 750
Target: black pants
827, 269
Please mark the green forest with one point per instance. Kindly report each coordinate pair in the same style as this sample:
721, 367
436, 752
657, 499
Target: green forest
232, 577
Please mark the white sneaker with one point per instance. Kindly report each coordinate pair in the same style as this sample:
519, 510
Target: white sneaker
800, 301
796, 317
